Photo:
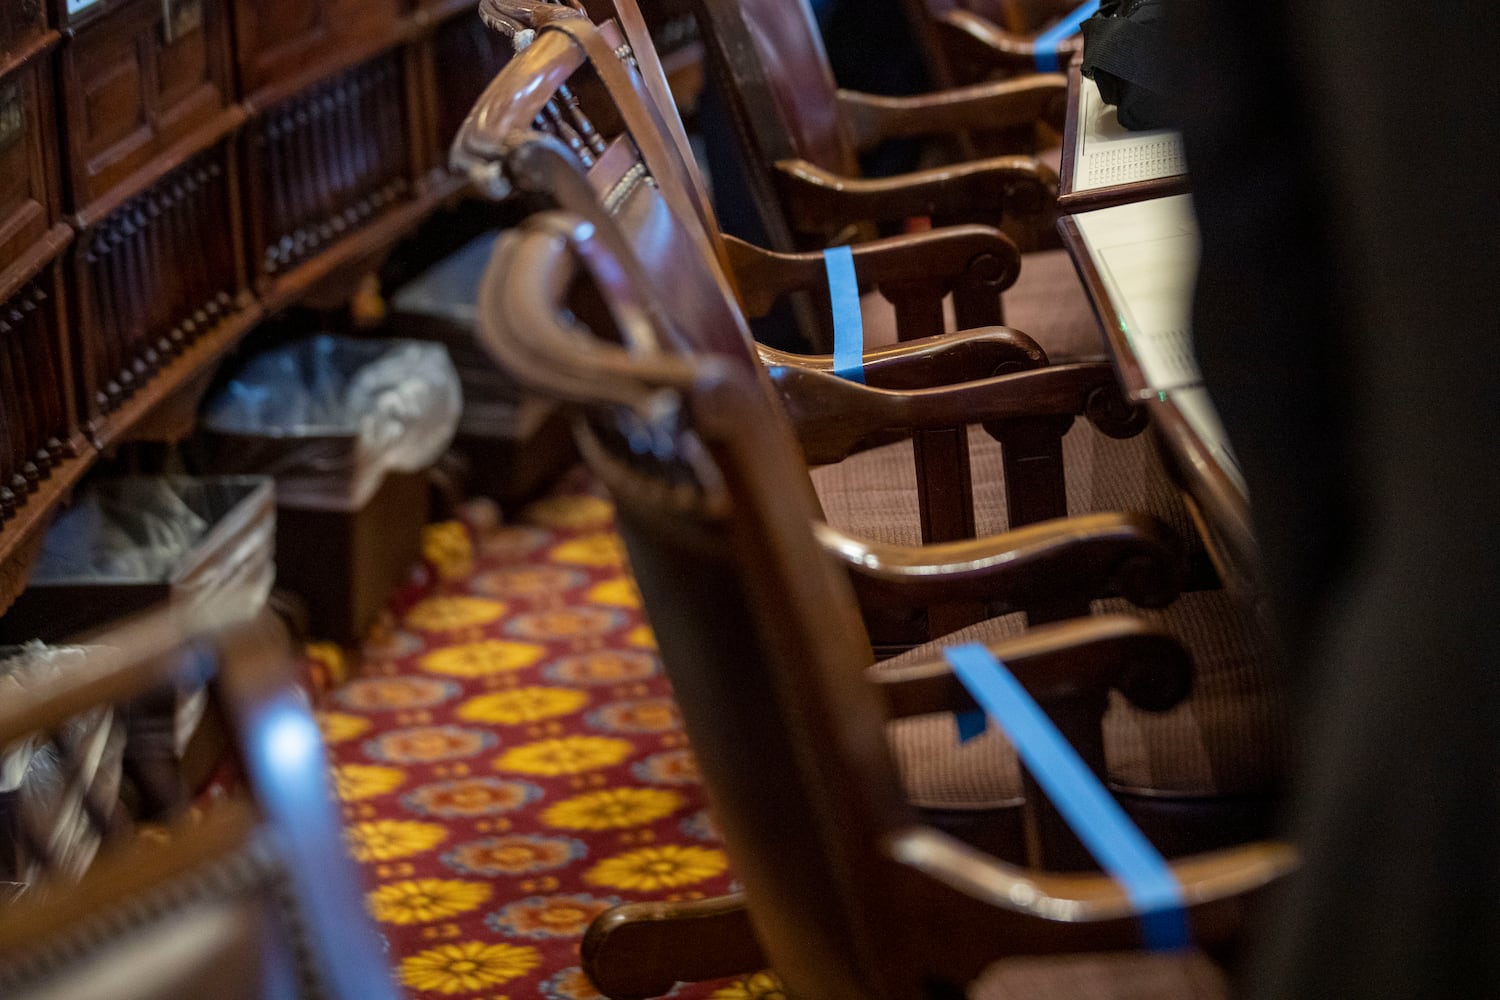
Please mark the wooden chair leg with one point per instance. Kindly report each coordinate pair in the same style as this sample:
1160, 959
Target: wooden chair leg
641, 950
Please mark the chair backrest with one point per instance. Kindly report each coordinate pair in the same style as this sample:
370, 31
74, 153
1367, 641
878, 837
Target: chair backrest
759, 631
971, 40
250, 897
760, 634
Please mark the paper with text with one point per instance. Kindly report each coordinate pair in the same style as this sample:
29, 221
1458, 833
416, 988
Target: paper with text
1146, 254
1108, 154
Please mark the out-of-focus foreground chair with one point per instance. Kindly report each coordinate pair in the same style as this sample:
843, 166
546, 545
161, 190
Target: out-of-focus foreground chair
848, 892
250, 897
930, 389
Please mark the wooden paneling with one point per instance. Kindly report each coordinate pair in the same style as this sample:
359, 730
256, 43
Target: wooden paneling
28, 157
280, 42
22, 22
153, 276
163, 139
326, 163
138, 79
37, 418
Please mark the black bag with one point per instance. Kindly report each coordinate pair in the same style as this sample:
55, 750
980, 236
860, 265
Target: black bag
1128, 53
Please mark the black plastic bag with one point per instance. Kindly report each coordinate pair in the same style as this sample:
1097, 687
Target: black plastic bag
1128, 52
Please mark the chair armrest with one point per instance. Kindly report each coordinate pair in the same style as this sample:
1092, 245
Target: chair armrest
979, 190
1056, 661
834, 416
940, 261
873, 119
1131, 555
991, 47
1052, 912
965, 356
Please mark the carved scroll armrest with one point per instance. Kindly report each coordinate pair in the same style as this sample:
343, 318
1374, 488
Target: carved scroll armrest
1099, 555
937, 262
821, 201
1049, 912
833, 416
873, 119
986, 43
966, 356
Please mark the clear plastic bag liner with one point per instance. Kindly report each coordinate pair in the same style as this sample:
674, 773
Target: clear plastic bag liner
329, 416
143, 529
42, 788
136, 533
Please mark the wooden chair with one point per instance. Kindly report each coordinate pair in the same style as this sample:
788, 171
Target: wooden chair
254, 899
632, 175
1046, 301
967, 41
630, 170
801, 135
848, 892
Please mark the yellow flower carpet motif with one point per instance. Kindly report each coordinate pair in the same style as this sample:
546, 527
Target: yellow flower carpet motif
510, 764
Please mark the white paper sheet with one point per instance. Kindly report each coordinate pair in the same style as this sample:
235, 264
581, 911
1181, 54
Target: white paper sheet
1198, 410
1109, 154
1147, 257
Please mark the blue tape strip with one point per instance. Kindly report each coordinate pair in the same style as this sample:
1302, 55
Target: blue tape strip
848, 323
1047, 42
1115, 842
971, 725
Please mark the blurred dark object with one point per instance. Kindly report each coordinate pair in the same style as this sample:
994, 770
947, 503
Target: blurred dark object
1129, 53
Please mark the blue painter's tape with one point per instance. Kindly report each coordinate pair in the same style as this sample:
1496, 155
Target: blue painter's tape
971, 725
1115, 842
848, 324
1047, 42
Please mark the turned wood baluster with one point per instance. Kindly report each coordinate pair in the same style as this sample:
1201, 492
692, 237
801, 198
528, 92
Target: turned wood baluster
581, 121
132, 292
325, 164
218, 272
27, 475
12, 484
49, 375
295, 178
98, 348
159, 297
564, 131
363, 157
199, 215
343, 131
186, 259
268, 142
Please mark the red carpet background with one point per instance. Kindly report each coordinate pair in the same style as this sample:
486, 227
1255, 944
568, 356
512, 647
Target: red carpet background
510, 761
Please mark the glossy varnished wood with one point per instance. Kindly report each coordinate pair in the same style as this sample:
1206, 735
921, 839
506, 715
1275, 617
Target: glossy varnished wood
143, 80
847, 891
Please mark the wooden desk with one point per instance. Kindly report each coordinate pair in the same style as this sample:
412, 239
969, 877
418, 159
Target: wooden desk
1104, 163
1138, 263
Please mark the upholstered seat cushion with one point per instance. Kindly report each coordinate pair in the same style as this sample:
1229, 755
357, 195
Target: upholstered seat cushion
1048, 304
1114, 976
873, 494
1227, 738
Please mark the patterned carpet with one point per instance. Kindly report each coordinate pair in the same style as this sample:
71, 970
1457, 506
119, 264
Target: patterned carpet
510, 762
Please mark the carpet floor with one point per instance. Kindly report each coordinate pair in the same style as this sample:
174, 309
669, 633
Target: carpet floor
510, 762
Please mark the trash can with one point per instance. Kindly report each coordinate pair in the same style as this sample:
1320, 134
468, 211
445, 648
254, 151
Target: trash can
512, 444
206, 545
347, 427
